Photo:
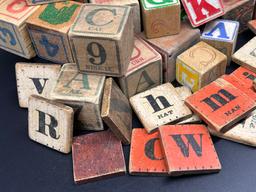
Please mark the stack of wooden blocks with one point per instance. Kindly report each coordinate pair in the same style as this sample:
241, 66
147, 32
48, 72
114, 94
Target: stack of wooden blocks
103, 66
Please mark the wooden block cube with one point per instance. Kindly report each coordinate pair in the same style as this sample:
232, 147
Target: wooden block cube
116, 111
246, 56
48, 28
35, 79
97, 156
200, 65
146, 155
159, 106
144, 71
172, 46
188, 150
252, 25
222, 35
134, 4
50, 123
102, 39
84, 93
221, 105
160, 18
14, 36
38, 2
202, 11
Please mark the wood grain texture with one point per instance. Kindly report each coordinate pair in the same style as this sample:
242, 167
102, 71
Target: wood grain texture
252, 25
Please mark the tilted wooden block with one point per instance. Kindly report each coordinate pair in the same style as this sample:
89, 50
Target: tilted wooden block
116, 111
188, 150
202, 11
144, 71
172, 46
134, 4
252, 25
221, 105
35, 79
222, 35
160, 18
84, 93
97, 156
13, 29
48, 28
200, 65
38, 2
246, 56
159, 106
245, 75
102, 39
50, 123
146, 155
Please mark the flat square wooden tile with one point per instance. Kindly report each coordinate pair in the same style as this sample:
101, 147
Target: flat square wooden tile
97, 156
50, 123
188, 150
252, 25
146, 155
245, 75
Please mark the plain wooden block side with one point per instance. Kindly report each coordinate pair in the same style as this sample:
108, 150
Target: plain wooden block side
252, 26
50, 123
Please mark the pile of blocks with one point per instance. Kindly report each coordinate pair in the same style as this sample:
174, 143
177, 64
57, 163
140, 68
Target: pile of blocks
108, 58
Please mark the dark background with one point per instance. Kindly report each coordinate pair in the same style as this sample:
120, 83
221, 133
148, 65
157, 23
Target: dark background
28, 166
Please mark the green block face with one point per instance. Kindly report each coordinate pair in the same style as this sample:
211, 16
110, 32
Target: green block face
151, 4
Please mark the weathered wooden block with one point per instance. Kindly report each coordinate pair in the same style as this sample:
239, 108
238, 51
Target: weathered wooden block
188, 150
254, 84
220, 104
50, 123
146, 155
14, 34
135, 9
160, 18
245, 75
38, 2
200, 65
172, 46
159, 106
252, 25
97, 156
202, 11
222, 35
239, 10
35, 79
144, 71
246, 56
84, 93
116, 111
48, 29
102, 39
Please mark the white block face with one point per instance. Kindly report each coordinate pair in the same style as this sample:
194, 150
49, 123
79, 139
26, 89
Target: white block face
150, 4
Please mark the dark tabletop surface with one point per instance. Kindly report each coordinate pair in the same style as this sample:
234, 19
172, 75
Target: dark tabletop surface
28, 166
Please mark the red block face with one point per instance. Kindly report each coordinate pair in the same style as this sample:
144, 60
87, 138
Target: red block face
220, 104
188, 149
146, 156
245, 75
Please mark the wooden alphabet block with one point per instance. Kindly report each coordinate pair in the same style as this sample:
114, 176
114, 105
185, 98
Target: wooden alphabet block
202, 11
135, 9
222, 35
84, 93
221, 105
13, 29
38, 2
245, 75
144, 71
252, 25
188, 150
48, 29
102, 39
35, 79
200, 65
246, 56
160, 18
50, 123
159, 106
116, 111
146, 155
97, 156
172, 46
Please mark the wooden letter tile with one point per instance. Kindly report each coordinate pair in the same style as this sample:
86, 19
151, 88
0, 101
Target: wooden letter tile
35, 79
116, 111
50, 123
188, 150
97, 156
146, 155
159, 106
252, 25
